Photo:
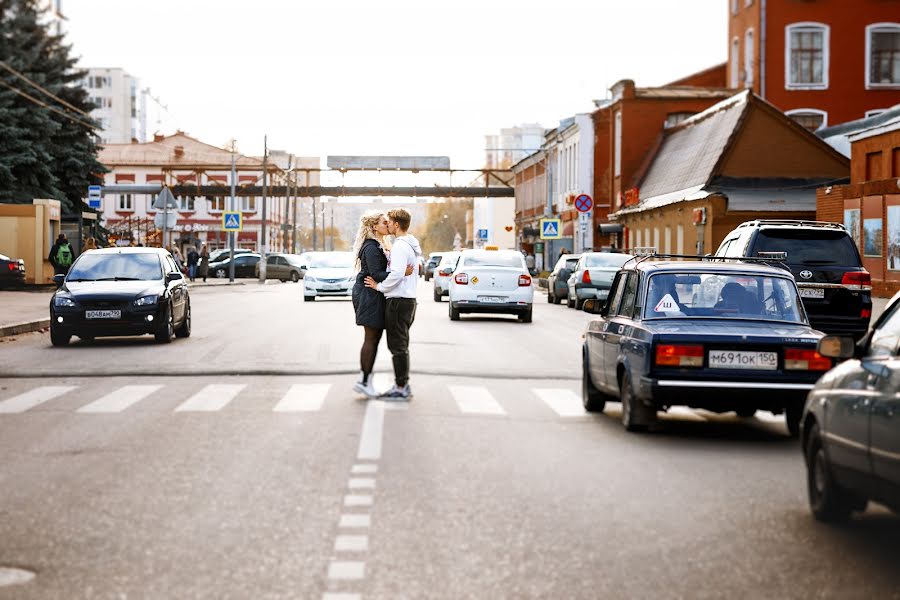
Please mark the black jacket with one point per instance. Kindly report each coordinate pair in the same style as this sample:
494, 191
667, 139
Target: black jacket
369, 303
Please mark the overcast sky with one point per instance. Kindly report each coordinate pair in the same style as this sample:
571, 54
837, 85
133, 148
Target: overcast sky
410, 77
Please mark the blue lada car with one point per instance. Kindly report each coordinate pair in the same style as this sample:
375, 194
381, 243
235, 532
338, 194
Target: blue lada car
703, 334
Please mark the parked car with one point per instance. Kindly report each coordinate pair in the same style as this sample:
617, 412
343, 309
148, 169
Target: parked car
491, 281
12, 272
442, 274
433, 260
244, 266
121, 291
835, 287
223, 253
851, 424
284, 267
720, 336
329, 274
592, 276
558, 280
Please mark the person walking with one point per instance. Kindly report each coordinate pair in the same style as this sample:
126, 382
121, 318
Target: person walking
90, 244
204, 262
193, 259
399, 290
61, 255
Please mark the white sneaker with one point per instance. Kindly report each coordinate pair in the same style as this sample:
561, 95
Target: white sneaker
398, 393
366, 389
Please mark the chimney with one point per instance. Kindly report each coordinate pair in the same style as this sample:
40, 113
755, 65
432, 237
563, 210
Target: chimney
179, 151
158, 137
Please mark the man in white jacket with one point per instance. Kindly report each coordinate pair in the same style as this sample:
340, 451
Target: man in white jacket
399, 290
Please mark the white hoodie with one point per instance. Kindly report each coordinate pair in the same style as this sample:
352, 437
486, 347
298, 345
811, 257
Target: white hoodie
405, 251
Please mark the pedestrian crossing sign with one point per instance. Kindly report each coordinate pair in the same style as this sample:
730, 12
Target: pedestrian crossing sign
551, 229
232, 221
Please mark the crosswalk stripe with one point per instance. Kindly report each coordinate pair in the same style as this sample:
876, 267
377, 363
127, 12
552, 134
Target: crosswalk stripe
211, 398
32, 398
303, 398
120, 399
475, 399
565, 403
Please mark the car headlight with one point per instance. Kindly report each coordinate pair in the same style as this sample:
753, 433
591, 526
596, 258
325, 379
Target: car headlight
63, 301
309, 279
146, 301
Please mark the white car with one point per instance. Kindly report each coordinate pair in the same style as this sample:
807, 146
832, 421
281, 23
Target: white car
442, 275
491, 281
328, 274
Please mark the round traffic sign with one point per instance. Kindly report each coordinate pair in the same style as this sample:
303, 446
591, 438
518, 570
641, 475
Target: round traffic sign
583, 203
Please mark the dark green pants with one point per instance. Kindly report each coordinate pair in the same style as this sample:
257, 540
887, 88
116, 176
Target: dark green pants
399, 315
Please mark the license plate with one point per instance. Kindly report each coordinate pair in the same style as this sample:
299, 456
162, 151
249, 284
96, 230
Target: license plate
491, 299
331, 286
103, 314
739, 359
817, 293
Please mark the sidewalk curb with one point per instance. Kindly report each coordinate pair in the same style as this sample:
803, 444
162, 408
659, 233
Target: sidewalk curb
26, 327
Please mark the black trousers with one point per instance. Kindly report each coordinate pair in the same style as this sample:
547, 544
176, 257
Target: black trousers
399, 314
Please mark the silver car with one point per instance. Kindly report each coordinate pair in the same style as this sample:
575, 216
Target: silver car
593, 276
328, 274
442, 273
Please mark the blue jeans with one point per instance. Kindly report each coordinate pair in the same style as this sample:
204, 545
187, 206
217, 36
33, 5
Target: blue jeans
192, 271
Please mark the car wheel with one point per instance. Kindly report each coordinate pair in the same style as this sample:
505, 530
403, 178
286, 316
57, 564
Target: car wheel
427, 277
550, 299
454, 313
635, 416
526, 317
792, 415
745, 412
295, 276
57, 338
309, 298
569, 302
436, 295
556, 299
828, 502
220, 273
166, 330
185, 329
579, 303
592, 398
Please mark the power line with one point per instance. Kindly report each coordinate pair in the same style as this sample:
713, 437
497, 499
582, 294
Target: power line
33, 84
47, 106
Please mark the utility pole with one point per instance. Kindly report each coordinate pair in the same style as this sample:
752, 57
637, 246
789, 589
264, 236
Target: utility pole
324, 240
285, 213
331, 204
314, 226
294, 217
231, 207
265, 224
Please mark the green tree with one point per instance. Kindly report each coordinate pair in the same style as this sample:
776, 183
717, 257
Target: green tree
43, 153
442, 222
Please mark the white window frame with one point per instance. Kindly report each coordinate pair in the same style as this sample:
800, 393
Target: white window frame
245, 202
869, 30
748, 3
735, 62
875, 112
187, 203
734, 7
816, 111
125, 203
826, 55
749, 56
211, 202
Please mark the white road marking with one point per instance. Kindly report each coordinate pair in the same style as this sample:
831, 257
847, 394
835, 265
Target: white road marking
346, 570
355, 521
303, 398
373, 425
361, 483
351, 543
31, 398
357, 500
120, 399
211, 398
565, 403
364, 469
475, 399
340, 596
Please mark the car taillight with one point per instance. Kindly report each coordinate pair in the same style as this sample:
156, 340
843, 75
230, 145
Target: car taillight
676, 355
586, 278
461, 278
865, 313
803, 359
524, 280
12, 266
857, 280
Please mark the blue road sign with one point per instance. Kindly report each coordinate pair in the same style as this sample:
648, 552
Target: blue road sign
232, 221
482, 234
551, 229
95, 193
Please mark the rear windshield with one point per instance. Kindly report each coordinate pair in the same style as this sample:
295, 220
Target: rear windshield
570, 263
606, 259
495, 259
809, 247
115, 267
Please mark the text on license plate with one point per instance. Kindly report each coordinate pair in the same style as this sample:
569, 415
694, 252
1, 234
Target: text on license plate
818, 293
490, 299
103, 314
739, 359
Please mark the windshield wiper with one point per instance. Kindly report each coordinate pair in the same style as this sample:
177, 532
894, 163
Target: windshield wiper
79, 280
117, 279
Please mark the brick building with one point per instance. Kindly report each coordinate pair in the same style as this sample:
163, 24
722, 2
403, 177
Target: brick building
870, 205
824, 62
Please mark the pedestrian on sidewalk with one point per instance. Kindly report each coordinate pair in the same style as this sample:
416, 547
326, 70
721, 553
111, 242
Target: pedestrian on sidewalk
61, 255
193, 259
90, 244
399, 290
204, 262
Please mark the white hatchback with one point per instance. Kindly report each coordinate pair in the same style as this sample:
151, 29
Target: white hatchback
491, 281
442, 274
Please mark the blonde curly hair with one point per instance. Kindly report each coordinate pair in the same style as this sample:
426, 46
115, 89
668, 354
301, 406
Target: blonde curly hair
367, 224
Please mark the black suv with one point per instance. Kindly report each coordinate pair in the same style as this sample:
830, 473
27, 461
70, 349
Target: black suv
835, 287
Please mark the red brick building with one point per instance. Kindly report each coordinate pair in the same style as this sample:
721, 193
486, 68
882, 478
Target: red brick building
823, 63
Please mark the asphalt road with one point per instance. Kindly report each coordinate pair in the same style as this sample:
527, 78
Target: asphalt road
238, 464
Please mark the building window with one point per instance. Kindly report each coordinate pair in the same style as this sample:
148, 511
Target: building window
734, 7
735, 63
673, 119
248, 204
679, 239
124, 203
875, 113
748, 58
883, 55
216, 203
617, 151
873, 166
810, 118
151, 198
748, 2
806, 56
186, 203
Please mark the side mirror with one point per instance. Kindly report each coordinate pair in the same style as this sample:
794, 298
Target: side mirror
304, 268
174, 277
837, 346
58, 280
593, 306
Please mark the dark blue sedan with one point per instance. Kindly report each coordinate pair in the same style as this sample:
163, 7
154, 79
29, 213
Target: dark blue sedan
721, 337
